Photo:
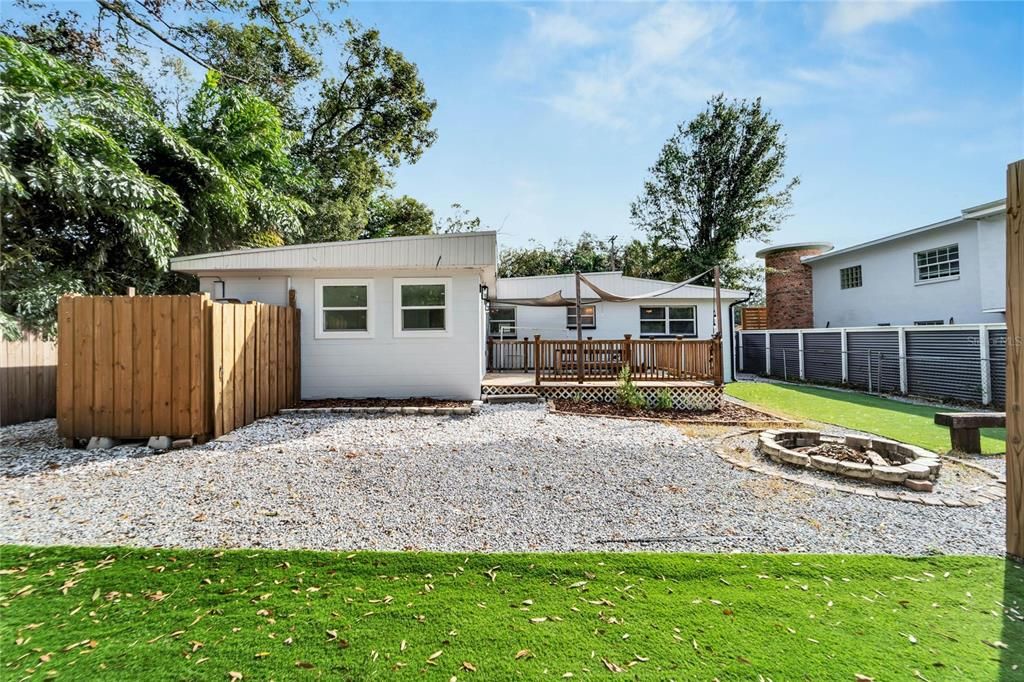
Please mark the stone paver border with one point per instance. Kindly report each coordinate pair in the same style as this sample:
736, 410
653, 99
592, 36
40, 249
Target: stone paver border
472, 408
994, 490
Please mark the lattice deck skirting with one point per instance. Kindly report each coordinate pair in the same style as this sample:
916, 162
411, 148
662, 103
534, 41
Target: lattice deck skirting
685, 397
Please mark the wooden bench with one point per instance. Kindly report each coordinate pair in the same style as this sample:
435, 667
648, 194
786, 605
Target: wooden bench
964, 435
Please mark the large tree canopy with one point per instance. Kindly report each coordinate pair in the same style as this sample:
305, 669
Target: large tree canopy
98, 192
166, 127
718, 180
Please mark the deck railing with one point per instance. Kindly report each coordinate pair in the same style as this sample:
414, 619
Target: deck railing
603, 359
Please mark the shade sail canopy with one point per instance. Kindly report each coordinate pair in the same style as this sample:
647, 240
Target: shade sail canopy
557, 300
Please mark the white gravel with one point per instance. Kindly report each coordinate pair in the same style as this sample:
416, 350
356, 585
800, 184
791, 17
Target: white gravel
512, 478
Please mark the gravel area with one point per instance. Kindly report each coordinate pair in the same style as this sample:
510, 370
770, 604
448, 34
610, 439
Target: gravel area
511, 478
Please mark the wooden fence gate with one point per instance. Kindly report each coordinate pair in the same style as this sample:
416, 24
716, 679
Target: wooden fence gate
255, 362
132, 367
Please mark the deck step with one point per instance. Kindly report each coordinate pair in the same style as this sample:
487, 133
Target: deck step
511, 398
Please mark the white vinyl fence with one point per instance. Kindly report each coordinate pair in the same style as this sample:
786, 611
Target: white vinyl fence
947, 362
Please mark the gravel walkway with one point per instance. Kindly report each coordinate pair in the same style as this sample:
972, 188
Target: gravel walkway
511, 478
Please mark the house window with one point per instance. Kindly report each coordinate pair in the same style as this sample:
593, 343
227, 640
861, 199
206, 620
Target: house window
502, 323
940, 263
587, 312
344, 308
850, 278
423, 307
668, 320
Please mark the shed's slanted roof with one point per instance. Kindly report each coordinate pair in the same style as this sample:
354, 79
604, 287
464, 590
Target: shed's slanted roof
987, 210
520, 288
463, 250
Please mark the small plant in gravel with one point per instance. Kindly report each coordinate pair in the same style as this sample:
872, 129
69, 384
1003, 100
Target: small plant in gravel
627, 394
664, 401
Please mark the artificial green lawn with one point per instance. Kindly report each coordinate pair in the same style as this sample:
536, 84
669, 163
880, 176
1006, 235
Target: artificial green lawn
901, 421
120, 613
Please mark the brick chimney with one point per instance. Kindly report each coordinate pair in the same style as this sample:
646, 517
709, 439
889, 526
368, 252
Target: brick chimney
788, 284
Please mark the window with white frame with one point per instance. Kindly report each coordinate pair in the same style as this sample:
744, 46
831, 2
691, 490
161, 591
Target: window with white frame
939, 263
344, 308
587, 312
851, 277
423, 307
668, 320
502, 322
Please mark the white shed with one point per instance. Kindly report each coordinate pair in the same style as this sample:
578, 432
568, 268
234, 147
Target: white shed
391, 318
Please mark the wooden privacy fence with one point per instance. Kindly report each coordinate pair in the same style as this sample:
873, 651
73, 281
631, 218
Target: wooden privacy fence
255, 362
754, 318
648, 359
132, 367
28, 379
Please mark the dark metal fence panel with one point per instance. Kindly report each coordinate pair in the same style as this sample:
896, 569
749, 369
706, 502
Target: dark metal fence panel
753, 353
944, 364
873, 359
823, 357
997, 365
785, 354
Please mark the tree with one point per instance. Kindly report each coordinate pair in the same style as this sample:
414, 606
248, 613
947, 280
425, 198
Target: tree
397, 217
587, 254
357, 120
98, 192
718, 180
459, 220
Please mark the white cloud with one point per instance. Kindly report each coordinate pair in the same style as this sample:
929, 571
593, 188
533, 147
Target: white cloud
669, 32
854, 16
561, 29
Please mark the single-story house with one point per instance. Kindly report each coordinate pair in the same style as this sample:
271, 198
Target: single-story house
656, 310
409, 316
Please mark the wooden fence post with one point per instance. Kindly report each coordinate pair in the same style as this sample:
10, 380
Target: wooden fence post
536, 359
627, 352
1015, 360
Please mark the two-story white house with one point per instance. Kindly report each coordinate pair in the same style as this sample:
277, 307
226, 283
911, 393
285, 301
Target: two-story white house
949, 272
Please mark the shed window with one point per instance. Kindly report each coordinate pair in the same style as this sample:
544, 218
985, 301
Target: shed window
587, 312
940, 263
502, 322
344, 308
668, 320
422, 307
850, 278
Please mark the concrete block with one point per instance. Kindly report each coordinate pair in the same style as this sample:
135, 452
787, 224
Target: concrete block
854, 470
888, 474
461, 410
918, 485
917, 471
160, 442
101, 443
823, 463
410, 410
181, 443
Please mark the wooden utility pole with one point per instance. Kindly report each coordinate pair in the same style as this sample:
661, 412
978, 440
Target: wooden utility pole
719, 354
1015, 360
579, 333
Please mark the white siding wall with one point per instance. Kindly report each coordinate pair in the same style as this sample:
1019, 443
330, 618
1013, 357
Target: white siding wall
383, 366
264, 289
891, 294
992, 255
614, 320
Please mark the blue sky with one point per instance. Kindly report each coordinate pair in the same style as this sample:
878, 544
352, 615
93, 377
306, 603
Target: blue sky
897, 114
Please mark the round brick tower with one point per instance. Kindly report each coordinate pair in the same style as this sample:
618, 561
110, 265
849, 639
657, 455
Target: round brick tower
789, 285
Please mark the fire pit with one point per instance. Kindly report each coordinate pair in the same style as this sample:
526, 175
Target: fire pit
875, 460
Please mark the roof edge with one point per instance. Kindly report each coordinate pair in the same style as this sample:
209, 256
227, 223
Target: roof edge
294, 247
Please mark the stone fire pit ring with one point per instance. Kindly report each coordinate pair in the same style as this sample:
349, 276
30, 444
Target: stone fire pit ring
908, 465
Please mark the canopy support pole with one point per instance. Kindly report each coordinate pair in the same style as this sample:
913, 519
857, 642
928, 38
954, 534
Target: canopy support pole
579, 333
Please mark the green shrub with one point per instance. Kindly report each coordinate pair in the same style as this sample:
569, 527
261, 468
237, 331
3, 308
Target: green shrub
627, 393
664, 401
